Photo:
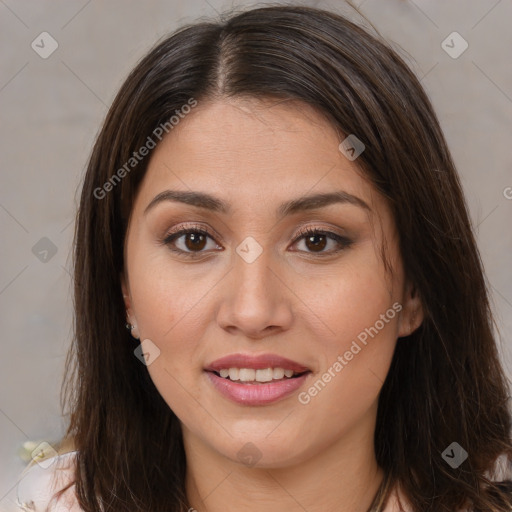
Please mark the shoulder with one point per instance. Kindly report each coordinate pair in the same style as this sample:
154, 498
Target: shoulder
502, 469
397, 501
41, 480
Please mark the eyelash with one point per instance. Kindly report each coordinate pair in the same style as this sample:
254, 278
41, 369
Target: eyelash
303, 233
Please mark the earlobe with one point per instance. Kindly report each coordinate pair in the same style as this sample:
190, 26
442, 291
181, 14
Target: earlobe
131, 324
412, 313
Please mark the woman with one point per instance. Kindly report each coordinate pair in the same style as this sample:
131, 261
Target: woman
273, 212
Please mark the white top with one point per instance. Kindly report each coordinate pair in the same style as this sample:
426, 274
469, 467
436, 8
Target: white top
42, 480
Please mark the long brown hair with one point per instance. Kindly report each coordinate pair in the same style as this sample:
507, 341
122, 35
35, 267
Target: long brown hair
445, 384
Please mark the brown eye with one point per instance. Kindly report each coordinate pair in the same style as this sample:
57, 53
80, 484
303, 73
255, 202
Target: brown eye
195, 241
189, 242
317, 240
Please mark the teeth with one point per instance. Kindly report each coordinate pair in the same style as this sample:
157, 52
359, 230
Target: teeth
278, 373
246, 374
251, 375
265, 375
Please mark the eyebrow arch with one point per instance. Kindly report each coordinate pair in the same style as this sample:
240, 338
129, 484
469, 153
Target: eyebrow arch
209, 202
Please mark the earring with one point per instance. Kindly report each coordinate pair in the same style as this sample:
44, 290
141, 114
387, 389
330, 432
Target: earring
134, 332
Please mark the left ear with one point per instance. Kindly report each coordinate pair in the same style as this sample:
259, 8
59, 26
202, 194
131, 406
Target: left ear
412, 313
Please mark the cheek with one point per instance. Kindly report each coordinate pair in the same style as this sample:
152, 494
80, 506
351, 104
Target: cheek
361, 314
175, 324
172, 314
353, 299
168, 296
171, 310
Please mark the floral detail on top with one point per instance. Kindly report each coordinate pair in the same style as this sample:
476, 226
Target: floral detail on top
40, 482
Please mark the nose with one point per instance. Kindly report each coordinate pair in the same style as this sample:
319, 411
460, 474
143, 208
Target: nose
256, 302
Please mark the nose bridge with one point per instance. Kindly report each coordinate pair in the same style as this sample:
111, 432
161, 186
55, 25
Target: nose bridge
255, 298
252, 271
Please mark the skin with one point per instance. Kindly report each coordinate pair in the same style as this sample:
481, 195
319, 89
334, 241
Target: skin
291, 301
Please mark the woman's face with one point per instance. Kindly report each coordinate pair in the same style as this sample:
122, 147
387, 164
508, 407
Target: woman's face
258, 297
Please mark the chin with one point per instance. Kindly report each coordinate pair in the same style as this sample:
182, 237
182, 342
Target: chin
261, 452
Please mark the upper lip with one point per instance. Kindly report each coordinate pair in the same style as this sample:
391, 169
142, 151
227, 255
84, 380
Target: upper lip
256, 362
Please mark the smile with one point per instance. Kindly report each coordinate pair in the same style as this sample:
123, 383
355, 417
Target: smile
251, 375
256, 393
256, 380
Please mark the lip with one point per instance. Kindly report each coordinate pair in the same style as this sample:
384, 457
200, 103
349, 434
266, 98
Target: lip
253, 394
256, 362
256, 394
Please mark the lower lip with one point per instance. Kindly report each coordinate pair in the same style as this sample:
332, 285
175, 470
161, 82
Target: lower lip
256, 394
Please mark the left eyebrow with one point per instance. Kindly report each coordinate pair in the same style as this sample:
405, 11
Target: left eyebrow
312, 202
212, 203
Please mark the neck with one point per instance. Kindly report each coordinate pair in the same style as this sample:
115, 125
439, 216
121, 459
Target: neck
343, 477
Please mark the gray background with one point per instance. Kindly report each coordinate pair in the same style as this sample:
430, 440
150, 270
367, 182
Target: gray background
51, 110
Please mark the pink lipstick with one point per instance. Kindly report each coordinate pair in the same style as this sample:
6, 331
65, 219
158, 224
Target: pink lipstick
256, 380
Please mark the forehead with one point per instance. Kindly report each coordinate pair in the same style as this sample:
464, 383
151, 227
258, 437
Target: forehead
252, 151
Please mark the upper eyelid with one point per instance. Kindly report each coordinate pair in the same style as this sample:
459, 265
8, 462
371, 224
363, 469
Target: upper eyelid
196, 227
302, 231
